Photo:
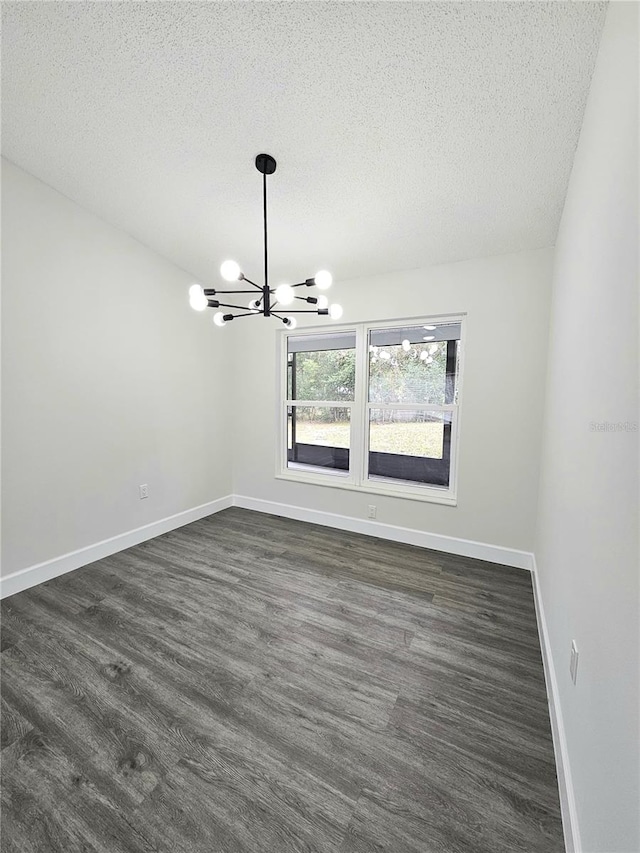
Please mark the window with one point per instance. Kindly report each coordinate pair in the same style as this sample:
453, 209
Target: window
374, 407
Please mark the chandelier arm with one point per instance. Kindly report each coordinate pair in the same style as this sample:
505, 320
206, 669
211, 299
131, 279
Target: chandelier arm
235, 291
248, 314
248, 280
237, 307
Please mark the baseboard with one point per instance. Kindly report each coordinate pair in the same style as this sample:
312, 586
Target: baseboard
33, 575
563, 768
434, 541
42, 572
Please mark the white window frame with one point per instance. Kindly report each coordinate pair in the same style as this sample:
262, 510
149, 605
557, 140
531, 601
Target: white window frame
357, 478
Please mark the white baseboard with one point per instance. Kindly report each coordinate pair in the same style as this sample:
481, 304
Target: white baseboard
563, 769
434, 541
33, 575
42, 572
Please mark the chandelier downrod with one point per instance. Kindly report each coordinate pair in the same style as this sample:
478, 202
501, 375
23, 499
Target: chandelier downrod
201, 298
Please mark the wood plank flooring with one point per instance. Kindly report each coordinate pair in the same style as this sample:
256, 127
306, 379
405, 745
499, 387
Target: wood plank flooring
251, 684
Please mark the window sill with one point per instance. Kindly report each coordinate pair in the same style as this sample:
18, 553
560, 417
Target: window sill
341, 481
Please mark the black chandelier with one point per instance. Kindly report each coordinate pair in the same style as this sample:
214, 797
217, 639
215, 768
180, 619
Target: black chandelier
270, 298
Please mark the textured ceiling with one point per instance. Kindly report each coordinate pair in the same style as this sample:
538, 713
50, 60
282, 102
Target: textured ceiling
406, 134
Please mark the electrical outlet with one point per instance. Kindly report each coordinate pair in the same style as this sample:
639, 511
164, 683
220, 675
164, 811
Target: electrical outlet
144, 491
573, 662
372, 511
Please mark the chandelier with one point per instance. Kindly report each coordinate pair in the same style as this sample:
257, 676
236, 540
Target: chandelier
267, 301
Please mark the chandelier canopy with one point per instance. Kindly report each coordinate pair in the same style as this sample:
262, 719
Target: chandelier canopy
267, 301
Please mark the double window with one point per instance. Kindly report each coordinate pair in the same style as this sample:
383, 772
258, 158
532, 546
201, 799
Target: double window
373, 407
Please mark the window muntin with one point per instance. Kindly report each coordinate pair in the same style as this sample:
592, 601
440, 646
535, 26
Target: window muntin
391, 425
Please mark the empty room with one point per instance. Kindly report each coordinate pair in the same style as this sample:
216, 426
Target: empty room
320, 427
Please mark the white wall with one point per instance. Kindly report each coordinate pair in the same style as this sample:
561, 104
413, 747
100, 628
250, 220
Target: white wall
587, 545
506, 299
109, 380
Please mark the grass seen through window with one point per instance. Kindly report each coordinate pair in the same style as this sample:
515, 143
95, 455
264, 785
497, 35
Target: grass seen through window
411, 439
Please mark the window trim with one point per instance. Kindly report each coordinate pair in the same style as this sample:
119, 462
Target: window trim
357, 479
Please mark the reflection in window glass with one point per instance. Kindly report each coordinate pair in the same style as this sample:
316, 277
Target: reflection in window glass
414, 375
410, 364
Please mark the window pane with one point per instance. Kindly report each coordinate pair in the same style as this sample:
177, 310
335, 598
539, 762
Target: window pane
410, 445
413, 364
325, 375
326, 372
319, 436
407, 433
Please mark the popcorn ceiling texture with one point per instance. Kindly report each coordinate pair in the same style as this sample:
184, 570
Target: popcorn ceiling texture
406, 134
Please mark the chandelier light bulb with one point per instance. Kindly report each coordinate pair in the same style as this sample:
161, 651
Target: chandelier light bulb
198, 301
253, 305
290, 322
195, 290
230, 271
323, 279
323, 302
335, 311
429, 328
218, 319
285, 294
406, 345
429, 338
424, 355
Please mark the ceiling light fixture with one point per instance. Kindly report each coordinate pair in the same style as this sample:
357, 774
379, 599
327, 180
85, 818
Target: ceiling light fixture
265, 298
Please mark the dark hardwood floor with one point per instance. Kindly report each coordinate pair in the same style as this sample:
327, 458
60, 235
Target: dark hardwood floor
250, 683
